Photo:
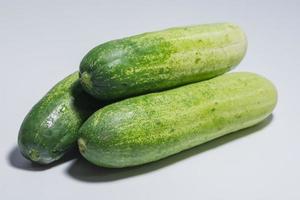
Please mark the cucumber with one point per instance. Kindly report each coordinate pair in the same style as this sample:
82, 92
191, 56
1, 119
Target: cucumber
51, 127
151, 127
161, 60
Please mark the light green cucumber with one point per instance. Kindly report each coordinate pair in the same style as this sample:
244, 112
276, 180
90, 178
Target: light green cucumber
161, 60
151, 127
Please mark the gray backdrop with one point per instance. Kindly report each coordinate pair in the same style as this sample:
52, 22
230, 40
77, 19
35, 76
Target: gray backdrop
43, 41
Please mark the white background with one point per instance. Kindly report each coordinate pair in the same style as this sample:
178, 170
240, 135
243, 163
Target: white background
43, 41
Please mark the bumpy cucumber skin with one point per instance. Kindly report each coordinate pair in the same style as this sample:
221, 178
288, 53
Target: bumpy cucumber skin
161, 60
51, 127
151, 127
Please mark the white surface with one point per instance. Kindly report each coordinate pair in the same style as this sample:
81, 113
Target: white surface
43, 41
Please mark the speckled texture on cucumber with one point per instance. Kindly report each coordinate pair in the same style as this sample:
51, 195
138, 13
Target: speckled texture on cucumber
161, 60
148, 128
51, 127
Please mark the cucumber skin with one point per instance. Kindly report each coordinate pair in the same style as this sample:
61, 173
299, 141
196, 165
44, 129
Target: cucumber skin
161, 60
151, 127
50, 129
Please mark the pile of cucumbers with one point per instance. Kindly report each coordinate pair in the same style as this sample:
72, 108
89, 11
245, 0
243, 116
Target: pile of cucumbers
142, 98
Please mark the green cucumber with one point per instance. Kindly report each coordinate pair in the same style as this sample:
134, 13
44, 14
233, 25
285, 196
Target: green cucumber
161, 60
51, 127
147, 128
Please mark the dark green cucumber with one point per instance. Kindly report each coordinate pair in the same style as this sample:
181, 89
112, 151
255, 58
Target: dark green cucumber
51, 127
161, 60
150, 127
